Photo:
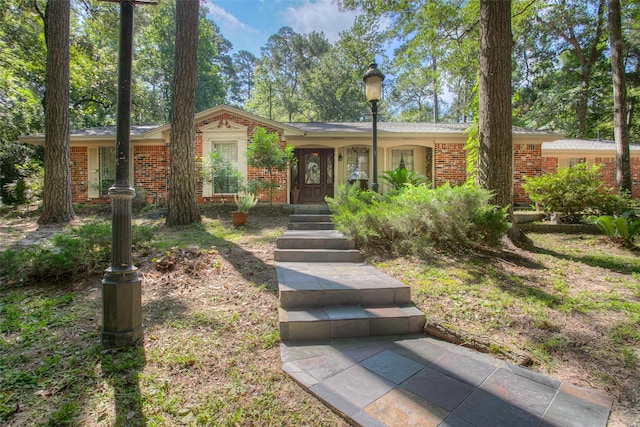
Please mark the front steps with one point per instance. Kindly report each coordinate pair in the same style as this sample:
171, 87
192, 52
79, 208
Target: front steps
327, 292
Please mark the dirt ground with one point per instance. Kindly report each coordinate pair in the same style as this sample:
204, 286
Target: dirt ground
224, 274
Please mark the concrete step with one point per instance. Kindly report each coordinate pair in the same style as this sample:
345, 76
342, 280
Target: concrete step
320, 208
310, 225
314, 239
318, 255
320, 285
309, 218
324, 323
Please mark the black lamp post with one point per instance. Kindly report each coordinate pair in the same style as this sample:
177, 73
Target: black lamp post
373, 91
121, 286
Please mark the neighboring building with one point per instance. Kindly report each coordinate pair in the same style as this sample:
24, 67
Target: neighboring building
328, 154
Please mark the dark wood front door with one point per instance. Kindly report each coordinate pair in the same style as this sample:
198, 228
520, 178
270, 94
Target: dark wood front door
315, 174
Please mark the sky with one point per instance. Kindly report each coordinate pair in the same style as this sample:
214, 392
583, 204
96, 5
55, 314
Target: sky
248, 24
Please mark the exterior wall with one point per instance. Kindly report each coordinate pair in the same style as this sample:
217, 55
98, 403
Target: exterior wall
450, 164
79, 174
151, 171
224, 119
527, 161
549, 164
607, 172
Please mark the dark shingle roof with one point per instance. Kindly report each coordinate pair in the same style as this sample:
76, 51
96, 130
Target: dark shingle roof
111, 130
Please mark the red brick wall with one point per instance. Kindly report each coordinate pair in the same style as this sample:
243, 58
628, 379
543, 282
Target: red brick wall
80, 174
450, 164
549, 164
607, 171
527, 161
151, 171
635, 177
279, 196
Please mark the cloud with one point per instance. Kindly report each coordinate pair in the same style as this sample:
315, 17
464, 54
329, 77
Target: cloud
227, 22
321, 16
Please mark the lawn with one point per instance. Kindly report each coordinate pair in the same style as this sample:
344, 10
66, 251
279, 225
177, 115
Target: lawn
211, 354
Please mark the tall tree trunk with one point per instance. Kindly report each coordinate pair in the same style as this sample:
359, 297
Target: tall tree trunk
620, 129
183, 206
436, 87
57, 204
495, 151
495, 147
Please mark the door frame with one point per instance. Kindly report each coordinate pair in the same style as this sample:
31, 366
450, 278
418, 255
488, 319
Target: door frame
309, 193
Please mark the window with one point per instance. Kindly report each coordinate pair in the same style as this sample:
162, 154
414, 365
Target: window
226, 179
575, 161
107, 169
402, 159
357, 164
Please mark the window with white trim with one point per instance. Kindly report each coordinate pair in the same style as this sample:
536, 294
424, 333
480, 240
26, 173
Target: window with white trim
231, 153
402, 159
226, 180
107, 174
357, 164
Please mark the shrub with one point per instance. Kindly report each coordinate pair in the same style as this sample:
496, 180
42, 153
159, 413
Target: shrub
86, 249
419, 217
624, 228
571, 193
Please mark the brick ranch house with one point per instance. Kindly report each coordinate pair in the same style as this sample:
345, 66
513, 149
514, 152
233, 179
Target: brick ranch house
328, 154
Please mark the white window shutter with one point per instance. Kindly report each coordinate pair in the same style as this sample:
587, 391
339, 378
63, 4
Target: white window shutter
93, 173
207, 185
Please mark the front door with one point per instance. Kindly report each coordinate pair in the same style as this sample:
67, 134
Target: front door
315, 174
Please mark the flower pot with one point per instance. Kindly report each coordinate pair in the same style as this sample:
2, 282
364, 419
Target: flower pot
238, 218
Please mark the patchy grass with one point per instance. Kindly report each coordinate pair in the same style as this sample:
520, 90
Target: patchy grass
572, 302
211, 354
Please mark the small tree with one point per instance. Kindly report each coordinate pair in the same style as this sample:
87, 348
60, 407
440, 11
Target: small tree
264, 152
221, 173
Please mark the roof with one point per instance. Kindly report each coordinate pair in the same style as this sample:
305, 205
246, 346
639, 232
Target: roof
102, 131
584, 144
399, 127
391, 127
111, 130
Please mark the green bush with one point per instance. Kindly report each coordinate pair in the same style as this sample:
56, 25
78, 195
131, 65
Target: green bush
419, 218
574, 193
86, 249
624, 228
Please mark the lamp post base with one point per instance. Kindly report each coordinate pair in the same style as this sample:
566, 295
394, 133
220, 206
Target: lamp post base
122, 313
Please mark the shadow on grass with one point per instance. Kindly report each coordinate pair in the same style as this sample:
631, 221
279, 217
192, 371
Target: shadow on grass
121, 369
614, 264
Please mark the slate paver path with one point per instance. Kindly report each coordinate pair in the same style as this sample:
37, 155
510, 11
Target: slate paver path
418, 380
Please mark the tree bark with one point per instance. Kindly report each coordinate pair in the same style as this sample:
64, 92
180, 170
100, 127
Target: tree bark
620, 129
183, 207
495, 151
57, 203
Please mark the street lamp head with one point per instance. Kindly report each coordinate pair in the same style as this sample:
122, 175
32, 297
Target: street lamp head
373, 83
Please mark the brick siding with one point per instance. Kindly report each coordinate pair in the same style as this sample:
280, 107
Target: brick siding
450, 164
279, 195
151, 171
80, 174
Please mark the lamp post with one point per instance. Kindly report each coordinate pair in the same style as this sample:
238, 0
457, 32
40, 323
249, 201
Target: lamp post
373, 91
121, 286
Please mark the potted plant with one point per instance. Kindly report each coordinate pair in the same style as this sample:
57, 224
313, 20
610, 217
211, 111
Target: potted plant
244, 202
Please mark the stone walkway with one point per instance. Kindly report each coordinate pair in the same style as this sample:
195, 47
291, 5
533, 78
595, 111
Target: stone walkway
338, 318
417, 380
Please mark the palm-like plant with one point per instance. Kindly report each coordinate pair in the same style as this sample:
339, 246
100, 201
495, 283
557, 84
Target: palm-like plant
400, 177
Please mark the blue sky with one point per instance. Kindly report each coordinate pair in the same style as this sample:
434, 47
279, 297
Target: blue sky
248, 24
